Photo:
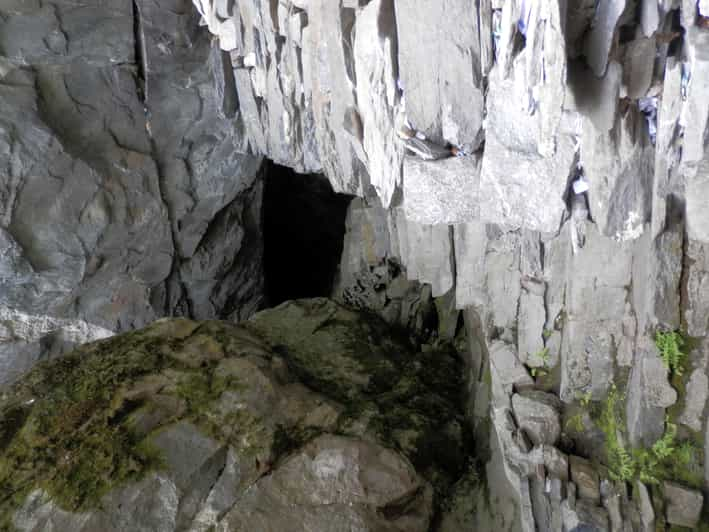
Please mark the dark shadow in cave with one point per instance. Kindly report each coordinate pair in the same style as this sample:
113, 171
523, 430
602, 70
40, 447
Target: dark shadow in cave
304, 227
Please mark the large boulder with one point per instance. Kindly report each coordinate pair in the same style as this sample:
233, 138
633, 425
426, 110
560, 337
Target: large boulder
309, 416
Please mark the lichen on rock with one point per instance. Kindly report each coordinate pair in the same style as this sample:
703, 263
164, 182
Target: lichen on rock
214, 412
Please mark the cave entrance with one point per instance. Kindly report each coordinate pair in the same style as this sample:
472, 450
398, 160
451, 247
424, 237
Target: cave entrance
304, 227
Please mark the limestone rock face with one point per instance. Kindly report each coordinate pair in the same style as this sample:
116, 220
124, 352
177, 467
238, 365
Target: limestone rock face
308, 416
123, 195
571, 228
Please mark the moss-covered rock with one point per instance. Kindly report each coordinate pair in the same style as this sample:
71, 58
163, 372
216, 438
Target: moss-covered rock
183, 417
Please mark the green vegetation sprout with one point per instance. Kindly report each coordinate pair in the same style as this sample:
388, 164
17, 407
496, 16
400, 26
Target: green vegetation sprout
670, 346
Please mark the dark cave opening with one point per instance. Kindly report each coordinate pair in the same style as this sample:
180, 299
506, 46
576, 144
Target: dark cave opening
304, 227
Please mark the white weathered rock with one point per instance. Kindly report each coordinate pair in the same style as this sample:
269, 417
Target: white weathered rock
638, 66
25, 339
584, 514
657, 271
433, 75
531, 321
618, 161
377, 95
442, 192
525, 189
600, 39
425, 250
697, 212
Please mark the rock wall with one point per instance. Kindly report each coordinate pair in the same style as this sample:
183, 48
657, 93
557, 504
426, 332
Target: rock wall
124, 194
571, 232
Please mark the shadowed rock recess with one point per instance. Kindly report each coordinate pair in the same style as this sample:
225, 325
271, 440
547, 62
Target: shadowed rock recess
147, 159
303, 230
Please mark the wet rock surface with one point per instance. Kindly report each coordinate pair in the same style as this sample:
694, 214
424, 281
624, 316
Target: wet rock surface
309, 416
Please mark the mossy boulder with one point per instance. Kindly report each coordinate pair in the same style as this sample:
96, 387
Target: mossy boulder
186, 425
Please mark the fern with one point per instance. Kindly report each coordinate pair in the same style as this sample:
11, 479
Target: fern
685, 453
585, 399
621, 464
670, 346
575, 423
664, 447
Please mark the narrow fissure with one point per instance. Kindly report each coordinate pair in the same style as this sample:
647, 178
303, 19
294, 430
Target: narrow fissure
140, 54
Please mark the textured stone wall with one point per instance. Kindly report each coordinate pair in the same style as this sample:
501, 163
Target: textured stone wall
130, 148
124, 195
563, 291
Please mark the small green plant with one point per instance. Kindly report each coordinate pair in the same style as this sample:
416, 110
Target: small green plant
620, 462
670, 346
585, 399
650, 463
575, 423
537, 372
546, 333
665, 459
543, 355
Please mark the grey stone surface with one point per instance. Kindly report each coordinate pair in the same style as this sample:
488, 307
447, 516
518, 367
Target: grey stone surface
378, 97
684, 506
584, 516
432, 76
596, 294
600, 39
585, 476
111, 217
526, 190
638, 66
657, 271
538, 418
25, 339
371, 275
334, 483
647, 512
696, 395
119, 176
618, 160
426, 251
507, 371
697, 285
470, 243
441, 192
697, 213
649, 394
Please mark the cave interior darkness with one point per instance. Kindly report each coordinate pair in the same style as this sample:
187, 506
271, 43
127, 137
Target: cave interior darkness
304, 228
